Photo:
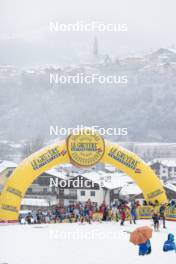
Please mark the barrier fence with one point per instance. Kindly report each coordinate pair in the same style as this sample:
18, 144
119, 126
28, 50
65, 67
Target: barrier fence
143, 212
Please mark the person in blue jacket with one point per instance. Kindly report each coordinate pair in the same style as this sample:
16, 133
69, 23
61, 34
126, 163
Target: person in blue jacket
145, 248
169, 244
133, 213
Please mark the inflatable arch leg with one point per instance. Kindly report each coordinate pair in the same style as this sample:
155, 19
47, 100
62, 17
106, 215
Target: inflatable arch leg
137, 169
45, 159
25, 174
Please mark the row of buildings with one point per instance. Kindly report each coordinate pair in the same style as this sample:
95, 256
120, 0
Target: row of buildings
108, 184
163, 59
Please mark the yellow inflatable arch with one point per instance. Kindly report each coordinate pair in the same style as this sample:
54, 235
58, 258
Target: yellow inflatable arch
84, 150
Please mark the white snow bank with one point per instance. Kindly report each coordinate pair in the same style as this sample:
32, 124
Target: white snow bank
81, 244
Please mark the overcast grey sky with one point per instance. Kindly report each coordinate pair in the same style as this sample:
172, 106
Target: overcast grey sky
151, 23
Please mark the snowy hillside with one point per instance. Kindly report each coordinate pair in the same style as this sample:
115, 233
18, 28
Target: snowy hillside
29, 104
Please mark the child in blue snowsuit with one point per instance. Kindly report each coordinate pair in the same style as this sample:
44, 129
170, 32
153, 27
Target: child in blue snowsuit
169, 244
133, 214
145, 248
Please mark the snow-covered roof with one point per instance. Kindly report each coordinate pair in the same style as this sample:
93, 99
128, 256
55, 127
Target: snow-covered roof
110, 168
130, 189
171, 162
133, 189
56, 173
172, 181
172, 50
150, 144
170, 187
108, 180
65, 165
4, 164
165, 51
38, 202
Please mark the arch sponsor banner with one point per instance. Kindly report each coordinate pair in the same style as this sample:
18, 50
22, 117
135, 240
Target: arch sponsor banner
137, 169
83, 150
23, 176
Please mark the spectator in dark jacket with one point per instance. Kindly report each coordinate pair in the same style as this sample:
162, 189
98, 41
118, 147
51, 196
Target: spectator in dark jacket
156, 219
162, 214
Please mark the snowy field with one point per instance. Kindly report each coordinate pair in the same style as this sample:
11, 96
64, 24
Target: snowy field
98, 243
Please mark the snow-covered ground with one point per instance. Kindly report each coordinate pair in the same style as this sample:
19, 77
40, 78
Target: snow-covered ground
98, 243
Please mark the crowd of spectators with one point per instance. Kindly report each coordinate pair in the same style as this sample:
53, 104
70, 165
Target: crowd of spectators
88, 212
81, 212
